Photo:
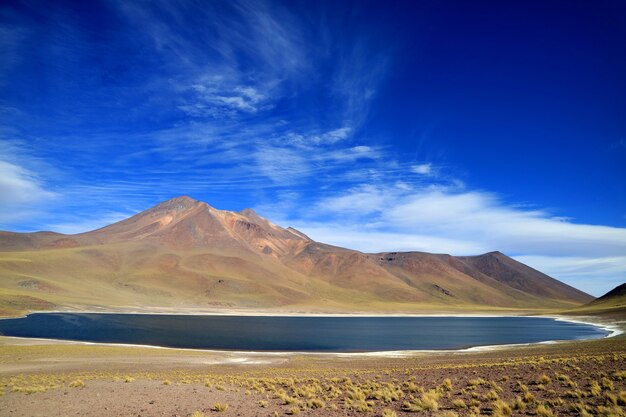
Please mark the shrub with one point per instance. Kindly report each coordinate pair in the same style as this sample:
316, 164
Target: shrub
427, 402
492, 396
544, 379
518, 404
360, 405
556, 402
315, 403
619, 375
412, 387
501, 409
611, 411
529, 397
610, 399
78, 383
389, 413
219, 407
387, 394
475, 382
607, 384
544, 411
594, 389
446, 384
459, 403
581, 408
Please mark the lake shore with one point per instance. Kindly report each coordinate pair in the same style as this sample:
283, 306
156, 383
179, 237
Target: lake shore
131, 381
615, 327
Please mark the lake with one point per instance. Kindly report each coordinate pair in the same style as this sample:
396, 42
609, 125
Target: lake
307, 334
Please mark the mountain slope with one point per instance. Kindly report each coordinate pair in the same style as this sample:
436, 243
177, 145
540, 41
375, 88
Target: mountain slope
185, 253
612, 304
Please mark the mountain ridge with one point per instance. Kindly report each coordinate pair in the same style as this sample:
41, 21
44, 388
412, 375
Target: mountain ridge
186, 252
610, 305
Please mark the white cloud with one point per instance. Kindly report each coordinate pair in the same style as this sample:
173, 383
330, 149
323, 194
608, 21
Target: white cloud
20, 186
373, 239
331, 137
22, 193
218, 98
85, 225
439, 219
480, 217
349, 154
363, 200
281, 165
422, 169
595, 276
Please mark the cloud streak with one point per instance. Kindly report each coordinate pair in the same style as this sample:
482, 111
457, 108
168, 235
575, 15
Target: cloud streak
445, 219
238, 103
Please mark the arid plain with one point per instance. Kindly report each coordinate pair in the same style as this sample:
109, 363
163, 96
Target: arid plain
184, 256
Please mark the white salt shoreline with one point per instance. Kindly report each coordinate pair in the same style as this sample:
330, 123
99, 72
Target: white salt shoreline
243, 356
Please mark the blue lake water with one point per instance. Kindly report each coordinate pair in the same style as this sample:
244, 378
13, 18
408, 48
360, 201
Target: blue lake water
312, 334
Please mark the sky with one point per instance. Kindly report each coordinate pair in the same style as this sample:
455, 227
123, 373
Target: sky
433, 125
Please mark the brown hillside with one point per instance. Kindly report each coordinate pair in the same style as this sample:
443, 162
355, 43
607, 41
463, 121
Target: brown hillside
612, 304
185, 253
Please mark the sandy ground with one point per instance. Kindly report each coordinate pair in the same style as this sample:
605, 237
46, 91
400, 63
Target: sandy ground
44, 378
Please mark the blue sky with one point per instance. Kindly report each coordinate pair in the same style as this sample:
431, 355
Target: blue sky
444, 126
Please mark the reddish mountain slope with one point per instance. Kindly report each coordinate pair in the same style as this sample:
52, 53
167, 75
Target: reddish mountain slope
183, 252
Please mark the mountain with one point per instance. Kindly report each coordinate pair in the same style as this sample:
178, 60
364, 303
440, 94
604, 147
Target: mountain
184, 253
611, 304
616, 294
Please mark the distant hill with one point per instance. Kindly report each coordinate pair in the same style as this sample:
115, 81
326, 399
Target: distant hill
616, 295
185, 253
613, 303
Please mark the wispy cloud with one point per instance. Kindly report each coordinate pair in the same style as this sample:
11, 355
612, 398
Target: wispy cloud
86, 222
445, 219
595, 275
19, 187
244, 101
423, 169
22, 189
473, 216
214, 100
240, 61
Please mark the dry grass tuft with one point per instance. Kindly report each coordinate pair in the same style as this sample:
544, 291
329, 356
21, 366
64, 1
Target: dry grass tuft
500, 409
544, 411
388, 413
77, 383
219, 407
459, 403
427, 402
293, 410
